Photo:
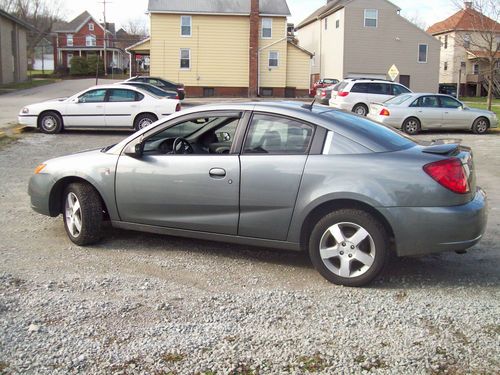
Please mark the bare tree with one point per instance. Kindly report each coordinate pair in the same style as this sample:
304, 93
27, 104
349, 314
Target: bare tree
416, 20
482, 39
137, 26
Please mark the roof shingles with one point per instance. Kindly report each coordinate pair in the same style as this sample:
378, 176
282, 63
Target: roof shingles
465, 20
271, 7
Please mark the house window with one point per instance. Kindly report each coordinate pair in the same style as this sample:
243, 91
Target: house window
273, 59
422, 53
90, 40
475, 69
326, 23
91, 26
185, 25
267, 28
467, 41
371, 17
69, 40
445, 41
445, 65
185, 58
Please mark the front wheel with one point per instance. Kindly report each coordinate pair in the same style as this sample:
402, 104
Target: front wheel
480, 126
349, 247
82, 213
50, 122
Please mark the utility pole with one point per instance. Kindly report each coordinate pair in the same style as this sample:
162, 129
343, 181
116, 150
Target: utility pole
105, 41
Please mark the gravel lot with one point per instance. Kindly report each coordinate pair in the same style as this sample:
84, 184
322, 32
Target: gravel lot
148, 304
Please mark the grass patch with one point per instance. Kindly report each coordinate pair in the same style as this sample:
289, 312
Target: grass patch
6, 140
46, 71
173, 357
478, 99
314, 363
3, 366
495, 109
26, 84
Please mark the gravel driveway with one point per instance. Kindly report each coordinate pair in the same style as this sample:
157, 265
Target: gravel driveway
149, 304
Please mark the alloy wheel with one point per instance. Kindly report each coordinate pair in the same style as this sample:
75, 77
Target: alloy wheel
73, 215
347, 249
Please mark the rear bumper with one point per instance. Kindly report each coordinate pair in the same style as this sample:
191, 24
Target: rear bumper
340, 105
425, 230
386, 120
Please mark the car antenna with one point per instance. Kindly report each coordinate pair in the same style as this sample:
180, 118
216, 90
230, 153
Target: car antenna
309, 106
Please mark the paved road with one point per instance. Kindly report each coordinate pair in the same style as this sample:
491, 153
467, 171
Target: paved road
11, 104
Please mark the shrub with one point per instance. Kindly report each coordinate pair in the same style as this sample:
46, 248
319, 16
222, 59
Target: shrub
92, 65
79, 66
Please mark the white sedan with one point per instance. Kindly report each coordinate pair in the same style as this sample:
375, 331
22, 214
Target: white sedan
415, 112
104, 106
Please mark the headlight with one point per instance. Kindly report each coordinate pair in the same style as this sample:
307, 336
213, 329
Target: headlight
39, 168
25, 110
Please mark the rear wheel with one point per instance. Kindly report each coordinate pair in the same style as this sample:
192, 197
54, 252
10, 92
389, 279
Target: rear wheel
349, 247
144, 120
82, 213
50, 122
411, 126
360, 109
480, 125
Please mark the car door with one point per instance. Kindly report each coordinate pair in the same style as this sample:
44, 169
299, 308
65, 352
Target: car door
87, 110
454, 116
428, 111
120, 107
198, 191
272, 162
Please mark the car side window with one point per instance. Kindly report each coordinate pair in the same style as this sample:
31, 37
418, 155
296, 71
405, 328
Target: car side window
426, 102
398, 90
277, 135
447, 102
93, 96
360, 87
122, 95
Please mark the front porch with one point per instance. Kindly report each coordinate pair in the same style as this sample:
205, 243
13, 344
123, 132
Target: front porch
115, 58
139, 55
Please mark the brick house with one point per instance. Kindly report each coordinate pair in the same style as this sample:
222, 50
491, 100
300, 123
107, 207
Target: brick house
226, 48
85, 36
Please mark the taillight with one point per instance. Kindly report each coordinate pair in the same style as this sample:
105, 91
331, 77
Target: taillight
178, 107
323, 94
176, 97
343, 93
450, 174
384, 112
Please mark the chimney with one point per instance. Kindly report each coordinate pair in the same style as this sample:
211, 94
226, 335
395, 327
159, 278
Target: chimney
468, 4
254, 49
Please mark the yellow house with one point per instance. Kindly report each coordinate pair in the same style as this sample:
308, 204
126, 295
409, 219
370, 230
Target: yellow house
226, 48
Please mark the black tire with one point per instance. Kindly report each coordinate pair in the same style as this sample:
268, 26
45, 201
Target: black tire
411, 126
375, 245
480, 125
50, 122
360, 109
144, 120
90, 214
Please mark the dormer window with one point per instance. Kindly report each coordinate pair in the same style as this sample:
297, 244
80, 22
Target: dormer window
90, 41
91, 26
69, 40
267, 28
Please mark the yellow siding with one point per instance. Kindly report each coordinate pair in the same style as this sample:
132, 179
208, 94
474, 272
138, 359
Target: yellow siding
144, 46
298, 68
274, 77
219, 50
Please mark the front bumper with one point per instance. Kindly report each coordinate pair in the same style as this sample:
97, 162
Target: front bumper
39, 189
27, 120
425, 230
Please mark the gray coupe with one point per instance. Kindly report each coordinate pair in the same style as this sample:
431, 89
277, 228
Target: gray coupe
284, 175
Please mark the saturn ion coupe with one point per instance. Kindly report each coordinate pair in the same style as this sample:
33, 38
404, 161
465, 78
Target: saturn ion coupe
347, 190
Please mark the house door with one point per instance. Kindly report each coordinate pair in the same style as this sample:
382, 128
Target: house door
404, 80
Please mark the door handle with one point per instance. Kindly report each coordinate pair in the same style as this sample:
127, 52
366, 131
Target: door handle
217, 173
98, 106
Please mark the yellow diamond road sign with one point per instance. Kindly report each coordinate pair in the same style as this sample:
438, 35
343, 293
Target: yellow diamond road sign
393, 72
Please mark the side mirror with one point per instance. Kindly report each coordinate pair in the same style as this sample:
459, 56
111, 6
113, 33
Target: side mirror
135, 150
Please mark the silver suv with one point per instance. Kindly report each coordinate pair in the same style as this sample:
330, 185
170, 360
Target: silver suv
356, 94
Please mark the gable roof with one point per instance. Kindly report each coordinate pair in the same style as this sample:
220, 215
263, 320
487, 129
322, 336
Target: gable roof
16, 20
467, 19
331, 7
76, 24
242, 7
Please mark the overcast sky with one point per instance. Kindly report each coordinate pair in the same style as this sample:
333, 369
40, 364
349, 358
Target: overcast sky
121, 11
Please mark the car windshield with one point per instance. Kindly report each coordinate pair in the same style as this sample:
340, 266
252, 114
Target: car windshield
398, 99
381, 136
